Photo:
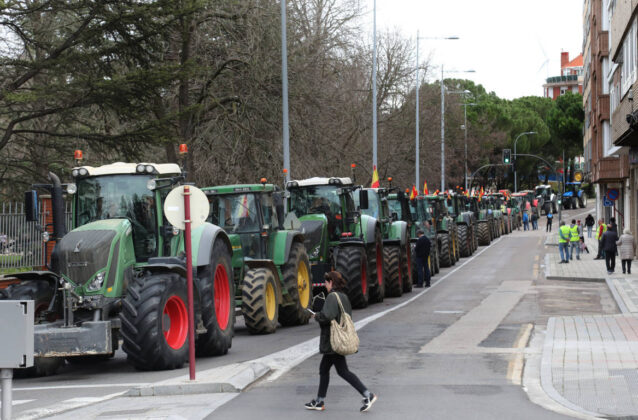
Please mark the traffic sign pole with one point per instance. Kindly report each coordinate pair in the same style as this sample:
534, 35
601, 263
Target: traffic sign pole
189, 281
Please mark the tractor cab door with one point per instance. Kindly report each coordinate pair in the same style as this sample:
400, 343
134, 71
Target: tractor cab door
269, 223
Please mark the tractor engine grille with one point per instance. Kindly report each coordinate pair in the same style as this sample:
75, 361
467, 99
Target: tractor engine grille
81, 254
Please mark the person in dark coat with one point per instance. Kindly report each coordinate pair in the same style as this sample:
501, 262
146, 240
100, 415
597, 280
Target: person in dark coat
422, 253
612, 225
335, 284
589, 222
608, 241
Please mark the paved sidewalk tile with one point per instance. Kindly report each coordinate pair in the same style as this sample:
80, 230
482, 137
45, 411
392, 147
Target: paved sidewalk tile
592, 363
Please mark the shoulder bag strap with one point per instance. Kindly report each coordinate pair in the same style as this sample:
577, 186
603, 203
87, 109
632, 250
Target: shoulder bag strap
339, 300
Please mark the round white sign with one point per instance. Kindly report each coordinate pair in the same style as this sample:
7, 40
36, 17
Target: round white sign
174, 207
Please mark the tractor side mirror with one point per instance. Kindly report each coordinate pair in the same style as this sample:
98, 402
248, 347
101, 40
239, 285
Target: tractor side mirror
363, 199
31, 205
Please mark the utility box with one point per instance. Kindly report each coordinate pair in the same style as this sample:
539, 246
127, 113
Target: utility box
16, 330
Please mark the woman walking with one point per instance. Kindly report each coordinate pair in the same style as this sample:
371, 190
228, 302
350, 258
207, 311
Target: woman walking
627, 250
335, 284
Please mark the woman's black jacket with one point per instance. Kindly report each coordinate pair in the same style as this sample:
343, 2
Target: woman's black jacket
329, 312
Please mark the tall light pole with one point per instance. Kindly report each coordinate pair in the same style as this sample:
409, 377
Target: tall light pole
465, 105
443, 121
515, 141
284, 90
417, 178
374, 86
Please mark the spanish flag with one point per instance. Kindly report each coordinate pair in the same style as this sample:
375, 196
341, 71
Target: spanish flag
425, 188
414, 193
375, 178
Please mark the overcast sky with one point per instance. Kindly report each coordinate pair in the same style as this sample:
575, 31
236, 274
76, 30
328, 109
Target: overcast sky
505, 41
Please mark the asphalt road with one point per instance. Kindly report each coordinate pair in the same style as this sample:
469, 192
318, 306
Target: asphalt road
427, 359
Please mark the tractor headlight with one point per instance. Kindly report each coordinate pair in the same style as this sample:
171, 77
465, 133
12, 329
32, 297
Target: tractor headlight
75, 173
45, 236
71, 188
151, 184
83, 172
139, 168
97, 282
149, 169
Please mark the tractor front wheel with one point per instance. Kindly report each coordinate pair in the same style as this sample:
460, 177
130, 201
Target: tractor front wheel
217, 293
155, 322
296, 274
259, 301
445, 256
406, 267
464, 243
394, 276
376, 269
483, 234
353, 265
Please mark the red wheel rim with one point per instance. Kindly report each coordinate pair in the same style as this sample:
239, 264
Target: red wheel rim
222, 297
175, 322
379, 265
364, 277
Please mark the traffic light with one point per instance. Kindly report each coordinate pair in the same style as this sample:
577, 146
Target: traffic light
507, 156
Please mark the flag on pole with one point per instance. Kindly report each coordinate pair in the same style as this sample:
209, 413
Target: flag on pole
414, 193
425, 188
375, 178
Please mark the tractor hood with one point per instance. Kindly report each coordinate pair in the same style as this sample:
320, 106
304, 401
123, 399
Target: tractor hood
568, 194
313, 227
89, 255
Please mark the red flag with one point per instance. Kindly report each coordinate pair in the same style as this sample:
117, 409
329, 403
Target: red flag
425, 188
414, 193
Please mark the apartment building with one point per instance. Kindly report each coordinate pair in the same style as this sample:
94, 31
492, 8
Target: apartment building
570, 79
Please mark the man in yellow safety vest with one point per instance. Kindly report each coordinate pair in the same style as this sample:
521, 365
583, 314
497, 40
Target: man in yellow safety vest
564, 236
602, 228
574, 240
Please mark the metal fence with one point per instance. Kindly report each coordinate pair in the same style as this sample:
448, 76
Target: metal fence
21, 245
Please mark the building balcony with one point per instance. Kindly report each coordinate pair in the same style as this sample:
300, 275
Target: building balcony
602, 107
610, 169
603, 44
562, 79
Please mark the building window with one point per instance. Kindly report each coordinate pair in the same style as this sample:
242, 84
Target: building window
628, 69
563, 89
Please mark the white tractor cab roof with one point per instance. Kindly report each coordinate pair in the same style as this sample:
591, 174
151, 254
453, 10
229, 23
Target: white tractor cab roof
118, 168
319, 181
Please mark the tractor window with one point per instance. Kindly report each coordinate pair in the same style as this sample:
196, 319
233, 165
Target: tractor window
319, 199
373, 209
268, 210
235, 213
395, 207
120, 197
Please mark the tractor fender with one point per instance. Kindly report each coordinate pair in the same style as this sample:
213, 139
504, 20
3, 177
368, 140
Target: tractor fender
270, 265
369, 225
398, 232
283, 241
203, 239
48, 276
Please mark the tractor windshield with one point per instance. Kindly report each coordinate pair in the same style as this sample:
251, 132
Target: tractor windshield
544, 192
235, 213
571, 187
120, 196
317, 199
395, 207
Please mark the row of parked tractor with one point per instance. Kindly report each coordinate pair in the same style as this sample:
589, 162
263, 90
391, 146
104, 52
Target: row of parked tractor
117, 275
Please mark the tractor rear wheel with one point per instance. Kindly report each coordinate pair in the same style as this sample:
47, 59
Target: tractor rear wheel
483, 234
296, 274
582, 201
456, 253
445, 256
394, 276
353, 265
41, 293
259, 301
406, 267
464, 243
217, 292
155, 322
376, 269
437, 262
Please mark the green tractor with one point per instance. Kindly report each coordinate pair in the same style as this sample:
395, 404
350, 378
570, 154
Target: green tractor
458, 207
494, 207
337, 236
484, 221
397, 253
446, 229
271, 269
425, 220
120, 274
499, 202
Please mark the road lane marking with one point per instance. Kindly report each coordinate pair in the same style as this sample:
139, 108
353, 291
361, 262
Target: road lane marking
18, 402
44, 388
515, 366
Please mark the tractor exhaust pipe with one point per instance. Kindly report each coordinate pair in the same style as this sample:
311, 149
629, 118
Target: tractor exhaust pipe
57, 204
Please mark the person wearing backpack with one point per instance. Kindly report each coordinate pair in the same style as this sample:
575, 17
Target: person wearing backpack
525, 221
336, 301
550, 217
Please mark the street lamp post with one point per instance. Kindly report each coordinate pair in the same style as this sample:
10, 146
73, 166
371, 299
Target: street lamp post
443, 121
465, 105
417, 178
284, 90
515, 141
374, 86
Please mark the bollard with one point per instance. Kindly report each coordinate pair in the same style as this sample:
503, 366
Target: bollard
7, 399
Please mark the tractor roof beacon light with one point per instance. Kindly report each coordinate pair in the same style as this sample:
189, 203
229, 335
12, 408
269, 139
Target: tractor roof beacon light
263, 181
77, 155
183, 149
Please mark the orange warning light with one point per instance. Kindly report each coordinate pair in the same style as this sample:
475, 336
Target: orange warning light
77, 154
183, 149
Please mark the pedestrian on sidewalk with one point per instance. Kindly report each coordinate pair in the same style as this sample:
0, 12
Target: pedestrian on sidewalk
580, 227
574, 240
602, 228
627, 246
550, 217
564, 235
534, 221
583, 245
609, 247
335, 284
525, 221
589, 222
612, 225
422, 252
